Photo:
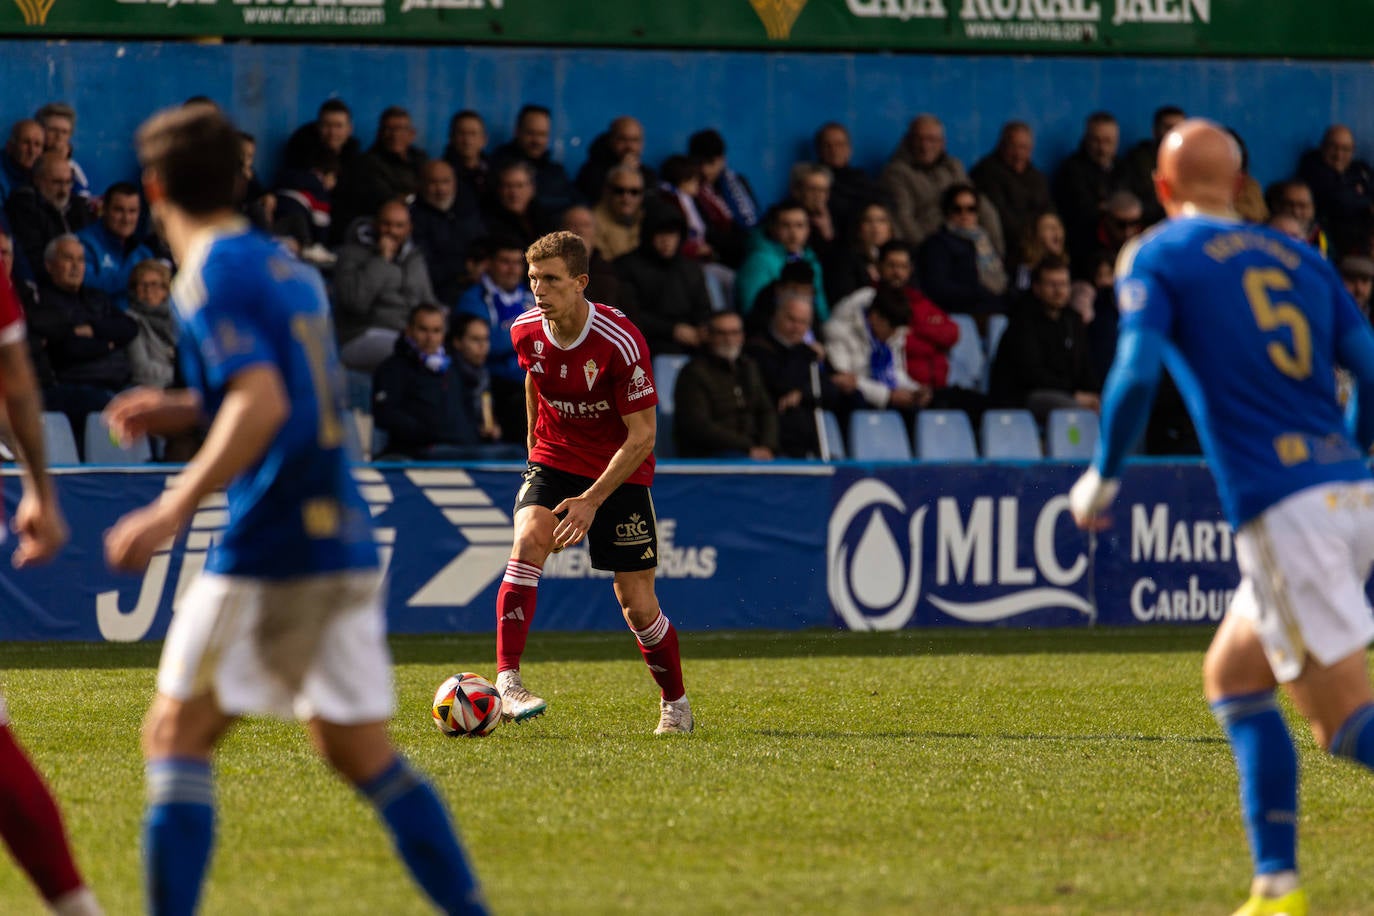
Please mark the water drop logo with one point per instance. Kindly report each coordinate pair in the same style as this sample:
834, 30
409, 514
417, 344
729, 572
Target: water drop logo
869, 582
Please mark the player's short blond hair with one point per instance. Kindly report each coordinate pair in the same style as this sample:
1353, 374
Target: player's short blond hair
565, 245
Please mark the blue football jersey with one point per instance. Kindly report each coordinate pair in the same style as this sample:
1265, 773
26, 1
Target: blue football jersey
1252, 321
241, 301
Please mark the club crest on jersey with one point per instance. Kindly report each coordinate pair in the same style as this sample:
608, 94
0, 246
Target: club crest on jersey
563, 371
589, 371
539, 348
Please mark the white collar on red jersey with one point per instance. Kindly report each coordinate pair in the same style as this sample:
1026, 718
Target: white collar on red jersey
586, 328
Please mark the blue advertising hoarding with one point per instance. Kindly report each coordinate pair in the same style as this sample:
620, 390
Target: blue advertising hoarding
741, 546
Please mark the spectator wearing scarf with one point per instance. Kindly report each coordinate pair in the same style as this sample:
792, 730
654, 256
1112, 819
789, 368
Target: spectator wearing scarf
959, 267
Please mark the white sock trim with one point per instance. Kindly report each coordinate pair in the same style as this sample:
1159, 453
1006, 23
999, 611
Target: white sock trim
520, 573
653, 634
80, 902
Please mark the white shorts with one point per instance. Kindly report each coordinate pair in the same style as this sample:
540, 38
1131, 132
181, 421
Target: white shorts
1304, 562
310, 647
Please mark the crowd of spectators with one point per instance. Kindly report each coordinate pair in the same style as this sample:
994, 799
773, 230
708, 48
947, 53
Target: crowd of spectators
845, 294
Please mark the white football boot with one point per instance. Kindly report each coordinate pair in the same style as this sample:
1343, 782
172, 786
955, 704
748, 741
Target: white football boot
517, 703
675, 718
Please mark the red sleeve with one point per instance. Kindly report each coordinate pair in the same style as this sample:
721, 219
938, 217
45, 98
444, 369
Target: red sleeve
634, 381
11, 312
518, 335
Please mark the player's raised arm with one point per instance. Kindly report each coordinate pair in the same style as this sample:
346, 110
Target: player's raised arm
38, 519
254, 409
1355, 351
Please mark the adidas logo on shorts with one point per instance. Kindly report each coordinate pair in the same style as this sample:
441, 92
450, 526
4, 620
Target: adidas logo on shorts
648, 554
517, 614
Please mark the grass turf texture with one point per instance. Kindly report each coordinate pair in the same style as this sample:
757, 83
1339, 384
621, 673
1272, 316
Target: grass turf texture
953, 771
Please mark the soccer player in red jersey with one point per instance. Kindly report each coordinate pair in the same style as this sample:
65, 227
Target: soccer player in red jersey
589, 398
29, 819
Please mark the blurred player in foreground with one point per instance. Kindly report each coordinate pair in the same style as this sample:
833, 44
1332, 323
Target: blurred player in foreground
1252, 326
287, 617
29, 820
589, 399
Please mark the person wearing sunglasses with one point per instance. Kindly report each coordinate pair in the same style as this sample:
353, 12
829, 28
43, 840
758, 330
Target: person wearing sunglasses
960, 269
620, 211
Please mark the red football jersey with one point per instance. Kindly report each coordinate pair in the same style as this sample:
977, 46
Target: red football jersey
585, 389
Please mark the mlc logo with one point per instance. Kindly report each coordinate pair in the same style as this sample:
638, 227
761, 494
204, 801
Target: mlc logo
873, 587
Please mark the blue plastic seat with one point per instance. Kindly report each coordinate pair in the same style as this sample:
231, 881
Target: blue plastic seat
666, 368
944, 435
379, 441
834, 442
1011, 434
997, 326
359, 386
101, 449
59, 442
967, 361
1072, 434
664, 446
353, 437
878, 435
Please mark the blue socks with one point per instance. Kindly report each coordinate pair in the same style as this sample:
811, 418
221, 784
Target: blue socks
425, 838
1355, 739
178, 831
1268, 767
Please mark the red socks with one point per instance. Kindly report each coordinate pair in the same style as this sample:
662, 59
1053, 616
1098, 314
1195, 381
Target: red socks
658, 645
514, 612
31, 825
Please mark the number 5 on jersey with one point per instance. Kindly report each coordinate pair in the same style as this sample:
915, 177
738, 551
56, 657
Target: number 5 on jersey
1259, 283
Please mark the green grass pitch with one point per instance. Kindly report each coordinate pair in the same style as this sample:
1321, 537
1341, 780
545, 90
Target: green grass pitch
1024, 772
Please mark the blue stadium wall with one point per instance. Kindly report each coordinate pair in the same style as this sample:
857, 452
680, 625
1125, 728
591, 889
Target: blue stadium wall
785, 546
766, 104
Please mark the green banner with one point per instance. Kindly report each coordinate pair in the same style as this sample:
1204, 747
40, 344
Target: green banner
1284, 28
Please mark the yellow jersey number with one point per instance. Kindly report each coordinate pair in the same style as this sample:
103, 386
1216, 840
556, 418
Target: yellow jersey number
313, 333
1260, 285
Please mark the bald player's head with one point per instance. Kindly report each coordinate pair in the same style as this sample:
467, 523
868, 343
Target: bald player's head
1199, 164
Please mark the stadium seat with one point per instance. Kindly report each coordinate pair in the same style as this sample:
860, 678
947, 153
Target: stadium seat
58, 440
1011, 434
666, 368
101, 449
1072, 434
878, 435
353, 437
830, 426
944, 435
379, 440
664, 446
359, 390
997, 326
967, 362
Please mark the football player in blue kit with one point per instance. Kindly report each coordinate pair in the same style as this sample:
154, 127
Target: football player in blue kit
287, 617
1252, 325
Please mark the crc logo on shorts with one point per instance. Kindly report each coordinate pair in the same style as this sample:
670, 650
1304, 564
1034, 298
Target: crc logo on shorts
640, 386
876, 547
633, 532
579, 409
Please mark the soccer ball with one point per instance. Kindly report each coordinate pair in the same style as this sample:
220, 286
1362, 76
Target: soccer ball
467, 704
